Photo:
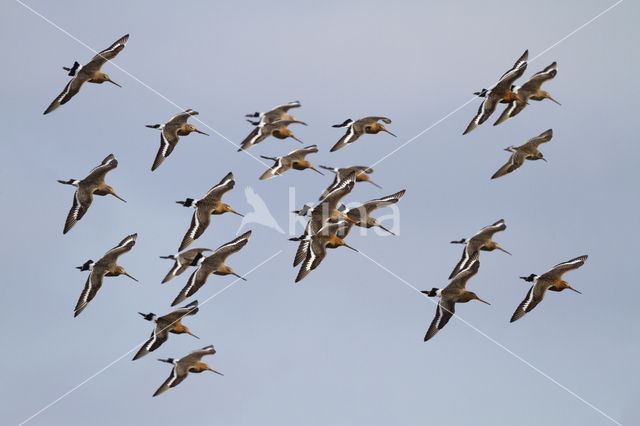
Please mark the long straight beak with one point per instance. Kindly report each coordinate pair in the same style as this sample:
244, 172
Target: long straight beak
544, 159
191, 334
130, 277
551, 99
235, 212
111, 81
118, 197
386, 229
483, 301
211, 369
501, 249
202, 133
385, 130
242, 278
294, 138
316, 170
348, 219
374, 184
571, 288
348, 246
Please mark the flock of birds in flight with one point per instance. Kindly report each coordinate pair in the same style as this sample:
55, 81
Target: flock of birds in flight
329, 221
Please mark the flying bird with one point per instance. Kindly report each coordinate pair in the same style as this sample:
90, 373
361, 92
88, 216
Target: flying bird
528, 151
212, 264
327, 209
89, 73
550, 280
170, 132
357, 128
293, 160
277, 113
91, 185
105, 267
502, 91
341, 173
277, 129
314, 247
205, 207
182, 262
169, 323
361, 215
455, 292
481, 241
187, 364
531, 90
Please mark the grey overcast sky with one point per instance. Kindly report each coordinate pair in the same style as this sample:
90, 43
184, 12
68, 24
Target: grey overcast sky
344, 347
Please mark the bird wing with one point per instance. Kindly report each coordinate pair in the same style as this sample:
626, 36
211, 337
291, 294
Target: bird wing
366, 121
276, 113
194, 283
513, 109
535, 81
459, 281
540, 139
343, 188
485, 110
301, 252
82, 199
91, 287
199, 222
281, 165
350, 136
70, 90
226, 184
444, 312
256, 136
107, 54
168, 141
173, 380
195, 356
176, 315
372, 205
285, 107
320, 213
124, 246
531, 300
316, 252
97, 174
330, 188
183, 262
557, 271
229, 248
175, 270
299, 154
515, 161
179, 119
513, 74
467, 252
159, 335
488, 231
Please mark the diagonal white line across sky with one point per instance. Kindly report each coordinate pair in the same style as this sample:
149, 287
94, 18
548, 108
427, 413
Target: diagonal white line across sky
195, 118
137, 346
474, 97
494, 341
